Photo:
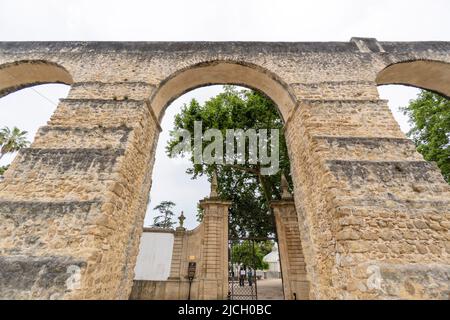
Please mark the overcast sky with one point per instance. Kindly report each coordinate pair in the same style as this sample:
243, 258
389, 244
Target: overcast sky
198, 20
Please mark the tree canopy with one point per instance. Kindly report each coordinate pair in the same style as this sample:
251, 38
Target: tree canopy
250, 254
429, 116
243, 184
164, 219
3, 169
11, 140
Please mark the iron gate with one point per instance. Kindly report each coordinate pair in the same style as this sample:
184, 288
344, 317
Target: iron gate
243, 278
241, 286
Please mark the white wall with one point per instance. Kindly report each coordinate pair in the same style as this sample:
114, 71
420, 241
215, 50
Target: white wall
155, 256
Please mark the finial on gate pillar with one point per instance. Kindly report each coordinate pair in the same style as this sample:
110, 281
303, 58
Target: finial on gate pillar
181, 219
285, 194
213, 193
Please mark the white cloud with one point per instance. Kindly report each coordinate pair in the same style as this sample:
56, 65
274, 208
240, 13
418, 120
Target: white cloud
262, 20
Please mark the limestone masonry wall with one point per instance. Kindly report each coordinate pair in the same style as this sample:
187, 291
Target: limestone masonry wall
374, 217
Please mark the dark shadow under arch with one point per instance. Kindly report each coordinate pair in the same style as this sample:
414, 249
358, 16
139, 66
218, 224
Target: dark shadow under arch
425, 74
223, 72
26, 73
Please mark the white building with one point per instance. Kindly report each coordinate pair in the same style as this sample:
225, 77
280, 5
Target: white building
155, 255
273, 260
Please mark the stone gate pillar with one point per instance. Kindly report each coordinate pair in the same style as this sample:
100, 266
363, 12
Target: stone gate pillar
214, 274
293, 267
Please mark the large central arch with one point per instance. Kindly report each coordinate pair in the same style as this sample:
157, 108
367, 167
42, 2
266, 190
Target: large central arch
223, 72
260, 79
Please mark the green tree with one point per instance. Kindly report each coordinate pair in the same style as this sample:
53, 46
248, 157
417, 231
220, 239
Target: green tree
3, 169
249, 190
164, 219
429, 115
251, 254
12, 140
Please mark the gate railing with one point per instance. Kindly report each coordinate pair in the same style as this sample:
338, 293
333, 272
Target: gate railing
243, 287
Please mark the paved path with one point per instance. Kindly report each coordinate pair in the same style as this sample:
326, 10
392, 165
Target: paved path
270, 289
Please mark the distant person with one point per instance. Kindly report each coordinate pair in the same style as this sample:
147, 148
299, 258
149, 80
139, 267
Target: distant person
241, 277
250, 277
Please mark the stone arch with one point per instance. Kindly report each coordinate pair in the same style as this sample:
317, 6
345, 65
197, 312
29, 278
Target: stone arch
26, 73
271, 85
223, 72
352, 165
425, 74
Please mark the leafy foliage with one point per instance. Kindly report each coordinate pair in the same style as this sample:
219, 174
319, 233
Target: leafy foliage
164, 219
429, 116
3, 169
251, 254
12, 140
243, 184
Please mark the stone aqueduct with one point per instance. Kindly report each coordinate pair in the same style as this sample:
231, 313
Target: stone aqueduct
374, 217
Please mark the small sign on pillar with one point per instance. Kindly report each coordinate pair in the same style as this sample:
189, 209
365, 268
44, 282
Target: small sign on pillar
191, 270
191, 274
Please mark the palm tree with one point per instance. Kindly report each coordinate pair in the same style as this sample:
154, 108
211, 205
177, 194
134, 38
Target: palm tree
12, 140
